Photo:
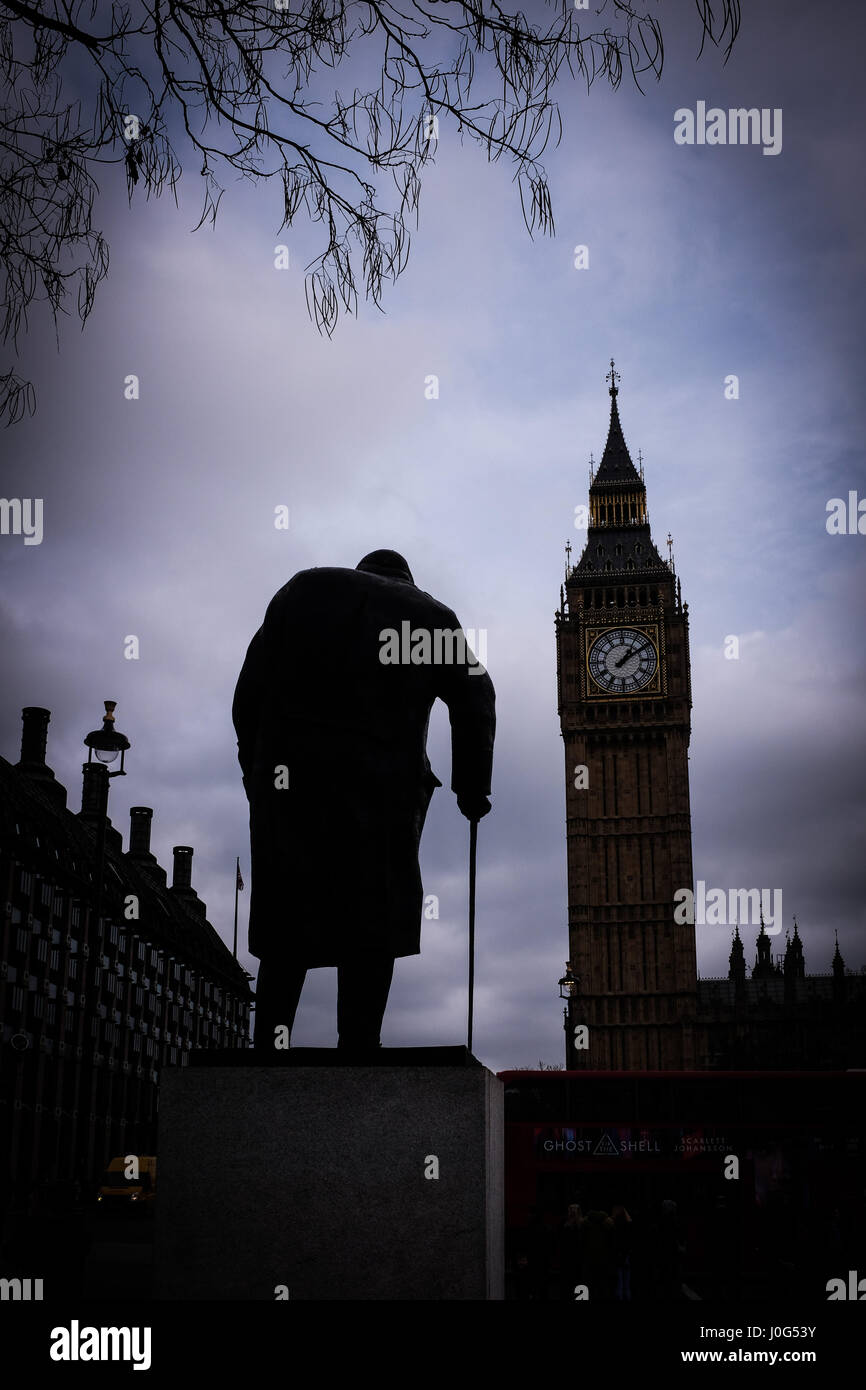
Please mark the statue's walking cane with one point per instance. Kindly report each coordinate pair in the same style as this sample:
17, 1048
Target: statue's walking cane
473, 844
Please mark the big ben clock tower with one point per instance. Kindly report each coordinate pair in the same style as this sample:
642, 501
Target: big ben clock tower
624, 709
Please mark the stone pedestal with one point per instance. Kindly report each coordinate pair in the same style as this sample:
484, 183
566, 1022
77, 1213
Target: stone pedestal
320, 1181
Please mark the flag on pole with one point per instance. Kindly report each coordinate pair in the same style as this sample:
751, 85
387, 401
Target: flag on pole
240, 883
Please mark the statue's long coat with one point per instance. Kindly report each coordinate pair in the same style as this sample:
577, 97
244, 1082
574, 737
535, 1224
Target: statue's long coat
335, 856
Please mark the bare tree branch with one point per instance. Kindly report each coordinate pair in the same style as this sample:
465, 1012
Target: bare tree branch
244, 87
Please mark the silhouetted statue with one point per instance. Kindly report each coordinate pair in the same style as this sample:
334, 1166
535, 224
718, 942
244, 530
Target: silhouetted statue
331, 712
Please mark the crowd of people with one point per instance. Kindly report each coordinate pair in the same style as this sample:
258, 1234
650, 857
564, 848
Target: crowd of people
599, 1255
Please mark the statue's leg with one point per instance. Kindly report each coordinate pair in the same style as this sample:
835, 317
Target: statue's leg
278, 990
362, 993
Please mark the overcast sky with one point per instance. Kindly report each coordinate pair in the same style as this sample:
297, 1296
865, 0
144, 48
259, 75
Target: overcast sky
703, 262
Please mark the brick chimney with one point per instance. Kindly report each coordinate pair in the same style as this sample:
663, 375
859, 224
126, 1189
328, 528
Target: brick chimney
34, 735
181, 882
34, 740
182, 876
140, 819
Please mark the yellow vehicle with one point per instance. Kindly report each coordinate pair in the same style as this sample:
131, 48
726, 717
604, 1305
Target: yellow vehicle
131, 1178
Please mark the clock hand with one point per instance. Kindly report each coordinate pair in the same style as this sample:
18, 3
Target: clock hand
623, 659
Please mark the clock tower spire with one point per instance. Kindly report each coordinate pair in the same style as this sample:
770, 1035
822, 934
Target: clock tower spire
624, 708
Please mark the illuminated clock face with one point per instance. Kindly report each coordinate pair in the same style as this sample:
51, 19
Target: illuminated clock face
622, 660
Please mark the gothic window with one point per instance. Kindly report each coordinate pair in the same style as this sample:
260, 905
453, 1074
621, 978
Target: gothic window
608, 565
619, 550
637, 547
629, 564
599, 550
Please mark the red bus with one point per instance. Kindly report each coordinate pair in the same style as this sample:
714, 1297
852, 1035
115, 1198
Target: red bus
714, 1184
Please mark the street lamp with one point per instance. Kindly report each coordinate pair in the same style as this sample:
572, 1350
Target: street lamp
568, 990
568, 984
107, 742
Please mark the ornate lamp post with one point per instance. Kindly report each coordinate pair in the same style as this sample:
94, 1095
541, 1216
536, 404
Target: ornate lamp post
106, 743
568, 987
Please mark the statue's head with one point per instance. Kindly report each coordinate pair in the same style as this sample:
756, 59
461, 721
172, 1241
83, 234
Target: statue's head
386, 563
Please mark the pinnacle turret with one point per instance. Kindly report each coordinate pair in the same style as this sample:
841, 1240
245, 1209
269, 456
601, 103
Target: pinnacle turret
737, 959
795, 965
616, 465
764, 969
618, 536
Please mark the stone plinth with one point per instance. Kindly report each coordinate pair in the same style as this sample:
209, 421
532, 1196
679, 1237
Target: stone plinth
312, 1178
